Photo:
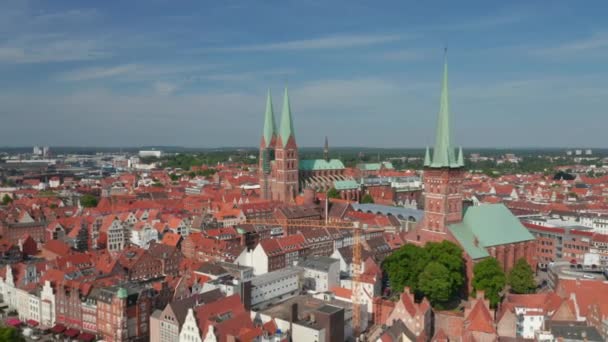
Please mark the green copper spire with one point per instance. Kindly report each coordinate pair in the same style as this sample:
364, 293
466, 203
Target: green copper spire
286, 122
443, 153
427, 157
269, 125
460, 157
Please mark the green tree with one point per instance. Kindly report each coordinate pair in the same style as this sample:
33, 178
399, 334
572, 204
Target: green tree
436, 283
450, 256
489, 277
404, 266
333, 193
367, 198
521, 278
88, 201
174, 177
6, 199
8, 334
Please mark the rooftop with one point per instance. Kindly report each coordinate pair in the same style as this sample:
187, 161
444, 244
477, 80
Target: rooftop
488, 225
320, 263
275, 275
321, 164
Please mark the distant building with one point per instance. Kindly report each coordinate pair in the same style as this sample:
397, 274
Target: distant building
150, 153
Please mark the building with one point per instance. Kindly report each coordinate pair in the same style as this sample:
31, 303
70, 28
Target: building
274, 254
150, 153
169, 321
123, 313
275, 286
484, 231
278, 162
321, 273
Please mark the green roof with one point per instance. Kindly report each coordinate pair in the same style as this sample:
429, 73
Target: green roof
346, 185
375, 166
286, 121
269, 125
486, 226
122, 293
443, 153
321, 164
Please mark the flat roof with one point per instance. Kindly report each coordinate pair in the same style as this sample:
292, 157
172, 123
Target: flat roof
275, 275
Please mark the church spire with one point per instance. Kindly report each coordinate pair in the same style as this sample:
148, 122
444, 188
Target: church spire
443, 153
286, 129
460, 157
326, 150
427, 157
269, 123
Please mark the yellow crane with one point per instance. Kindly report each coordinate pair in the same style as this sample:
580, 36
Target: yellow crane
356, 262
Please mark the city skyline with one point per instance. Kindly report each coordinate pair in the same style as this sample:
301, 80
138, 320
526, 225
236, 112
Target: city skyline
197, 76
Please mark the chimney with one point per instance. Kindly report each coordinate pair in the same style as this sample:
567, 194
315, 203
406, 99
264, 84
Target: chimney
294, 313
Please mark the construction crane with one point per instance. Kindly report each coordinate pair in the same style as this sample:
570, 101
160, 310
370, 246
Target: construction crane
356, 261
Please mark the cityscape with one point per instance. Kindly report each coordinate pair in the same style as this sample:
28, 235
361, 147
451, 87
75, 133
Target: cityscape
285, 215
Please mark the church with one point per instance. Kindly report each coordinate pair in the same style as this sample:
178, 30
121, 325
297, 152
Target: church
482, 231
282, 175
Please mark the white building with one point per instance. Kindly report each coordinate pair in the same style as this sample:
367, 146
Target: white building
116, 236
307, 333
142, 234
321, 273
190, 331
47, 305
275, 286
530, 321
150, 153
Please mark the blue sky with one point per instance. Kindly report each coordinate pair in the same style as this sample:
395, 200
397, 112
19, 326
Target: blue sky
195, 73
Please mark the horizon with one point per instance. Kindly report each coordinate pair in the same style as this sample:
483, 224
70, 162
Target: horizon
88, 75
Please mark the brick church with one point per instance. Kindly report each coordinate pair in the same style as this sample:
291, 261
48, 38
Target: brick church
482, 231
282, 175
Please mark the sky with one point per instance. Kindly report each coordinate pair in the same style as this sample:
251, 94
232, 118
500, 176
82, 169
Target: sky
365, 73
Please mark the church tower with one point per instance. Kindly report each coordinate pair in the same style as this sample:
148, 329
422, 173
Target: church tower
267, 146
286, 185
443, 176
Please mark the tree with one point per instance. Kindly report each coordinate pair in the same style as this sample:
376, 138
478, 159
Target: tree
521, 278
333, 193
404, 266
88, 201
8, 334
6, 199
367, 198
174, 177
489, 277
436, 283
450, 256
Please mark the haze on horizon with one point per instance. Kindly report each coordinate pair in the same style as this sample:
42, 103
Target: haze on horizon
117, 73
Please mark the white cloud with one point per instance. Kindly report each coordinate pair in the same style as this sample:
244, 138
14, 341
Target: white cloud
96, 73
595, 42
401, 55
164, 88
321, 43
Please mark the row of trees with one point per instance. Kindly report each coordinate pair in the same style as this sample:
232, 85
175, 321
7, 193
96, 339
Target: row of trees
437, 272
489, 277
